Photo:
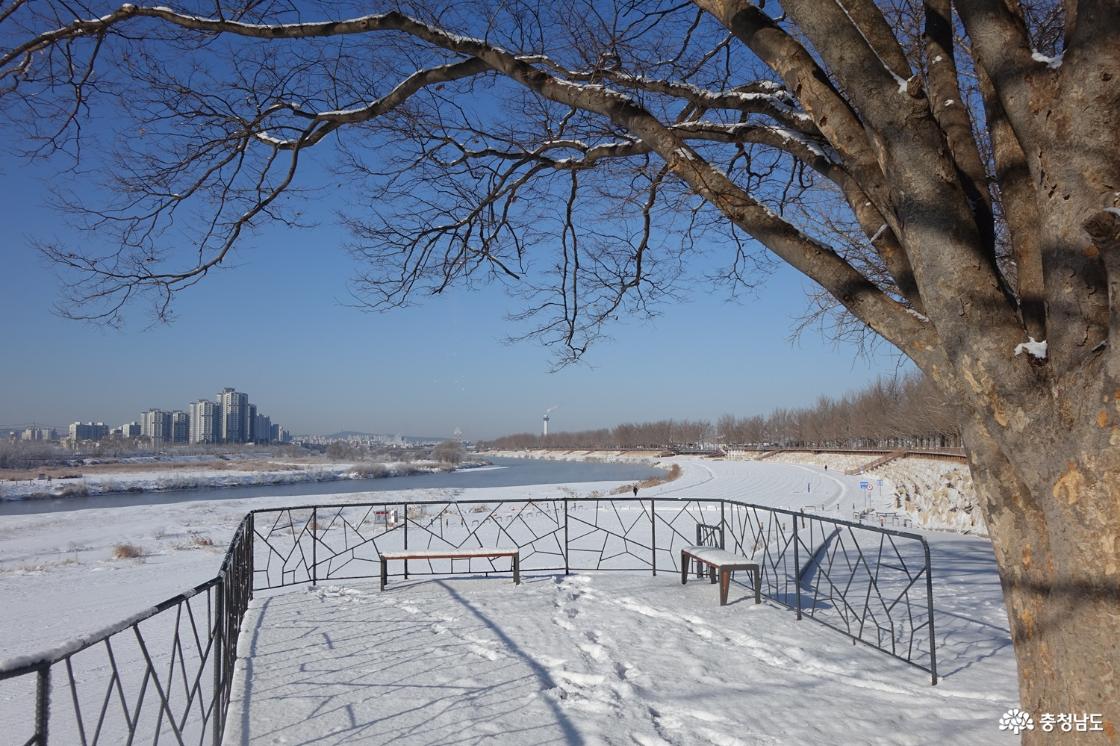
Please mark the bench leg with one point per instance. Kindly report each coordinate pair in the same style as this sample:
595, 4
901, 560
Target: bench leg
699, 569
384, 572
724, 585
758, 586
684, 567
712, 573
517, 569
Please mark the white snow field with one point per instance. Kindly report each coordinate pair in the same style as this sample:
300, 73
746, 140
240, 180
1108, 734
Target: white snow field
622, 657
202, 478
932, 493
608, 658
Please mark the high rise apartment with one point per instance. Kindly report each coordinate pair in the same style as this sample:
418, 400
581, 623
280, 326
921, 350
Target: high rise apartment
206, 421
234, 416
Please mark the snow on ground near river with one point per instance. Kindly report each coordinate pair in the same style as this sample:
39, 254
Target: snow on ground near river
931, 493
697, 673
185, 479
57, 568
609, 659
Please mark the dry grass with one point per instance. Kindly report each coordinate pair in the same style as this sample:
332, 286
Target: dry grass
127, 551
67, 472
196, 541
671, 475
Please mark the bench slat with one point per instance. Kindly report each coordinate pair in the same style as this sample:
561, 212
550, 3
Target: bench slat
718, 557
449, 553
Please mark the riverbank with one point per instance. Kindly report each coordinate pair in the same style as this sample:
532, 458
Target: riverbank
593, 456
104, 479
64, 570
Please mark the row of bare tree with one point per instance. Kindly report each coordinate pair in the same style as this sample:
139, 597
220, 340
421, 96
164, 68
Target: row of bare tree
895, 412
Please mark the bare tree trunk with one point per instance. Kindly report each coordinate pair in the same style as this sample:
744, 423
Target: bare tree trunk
1059, 561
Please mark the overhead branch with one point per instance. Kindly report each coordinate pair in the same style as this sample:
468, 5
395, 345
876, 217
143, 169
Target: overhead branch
856, 292
1002, 47
951, 112
868, 19
1020, 210
325, 122
761, 97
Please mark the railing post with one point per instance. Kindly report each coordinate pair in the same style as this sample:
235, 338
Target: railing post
796, 568
219, 653
722, 524
929, 609
406, 539
314, 546
653, 527
567, 567
42, 704
249, 552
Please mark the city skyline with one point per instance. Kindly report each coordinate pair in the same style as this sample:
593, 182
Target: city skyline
228, 418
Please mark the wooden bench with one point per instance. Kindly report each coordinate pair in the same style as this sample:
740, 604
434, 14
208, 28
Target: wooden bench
716, 559
453, 554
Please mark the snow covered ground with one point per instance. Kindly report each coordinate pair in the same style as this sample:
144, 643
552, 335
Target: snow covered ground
199, 478
607, 659
637, 456
931, 493
640, 654
935, 494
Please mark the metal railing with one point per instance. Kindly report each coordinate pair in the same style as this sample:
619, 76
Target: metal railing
165, 674
161, 675
872, 584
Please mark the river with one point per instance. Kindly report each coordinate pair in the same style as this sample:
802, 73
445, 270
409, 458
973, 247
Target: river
511, 473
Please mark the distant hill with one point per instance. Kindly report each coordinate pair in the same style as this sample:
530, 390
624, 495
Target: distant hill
21, 428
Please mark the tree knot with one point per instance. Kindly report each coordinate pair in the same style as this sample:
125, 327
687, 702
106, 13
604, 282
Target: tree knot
1103, 228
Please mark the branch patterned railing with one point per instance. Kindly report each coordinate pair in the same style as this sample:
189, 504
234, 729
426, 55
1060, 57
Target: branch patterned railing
165, 675
872, 584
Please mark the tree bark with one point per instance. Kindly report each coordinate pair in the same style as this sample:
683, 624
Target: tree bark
1055, 533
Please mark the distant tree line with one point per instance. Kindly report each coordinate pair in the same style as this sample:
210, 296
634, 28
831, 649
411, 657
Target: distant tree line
895, 412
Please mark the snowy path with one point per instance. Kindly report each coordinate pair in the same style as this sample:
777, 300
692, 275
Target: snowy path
792, 486
593, 659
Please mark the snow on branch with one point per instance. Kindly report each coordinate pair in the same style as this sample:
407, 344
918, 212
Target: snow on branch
1037, 350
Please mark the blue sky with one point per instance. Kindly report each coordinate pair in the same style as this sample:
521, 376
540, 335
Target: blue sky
278, 326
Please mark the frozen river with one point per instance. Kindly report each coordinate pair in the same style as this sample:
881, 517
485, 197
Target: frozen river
511, 473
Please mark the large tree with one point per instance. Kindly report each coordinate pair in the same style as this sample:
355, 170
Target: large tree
947, 171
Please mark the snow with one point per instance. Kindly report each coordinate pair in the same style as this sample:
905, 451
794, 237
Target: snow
421, 553
918, 315
591, 658
611, 658
933, 494
1034, 349
929, 493
878, 233
714, 556
1052, 62
182, 479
